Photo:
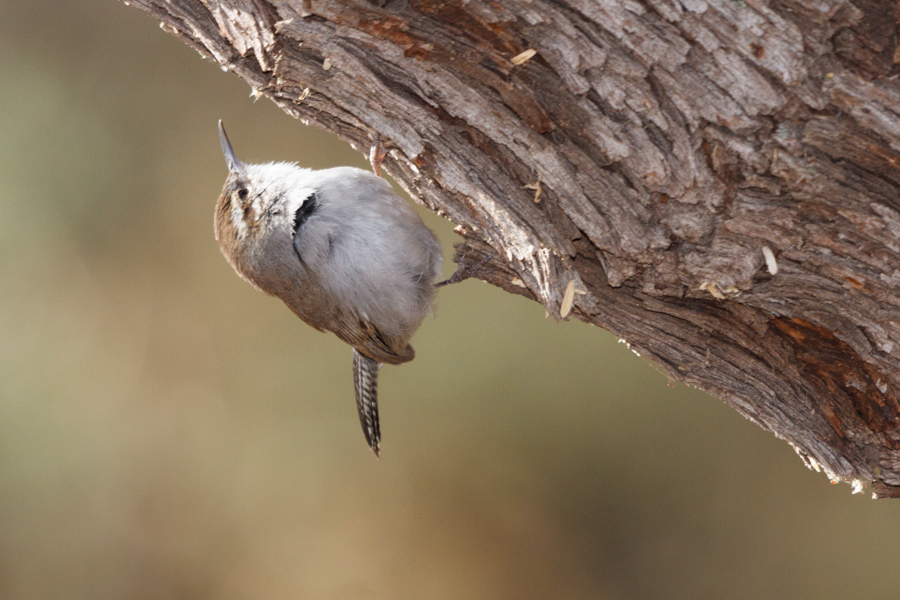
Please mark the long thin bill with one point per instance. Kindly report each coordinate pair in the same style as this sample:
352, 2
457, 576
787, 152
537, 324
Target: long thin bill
234, 165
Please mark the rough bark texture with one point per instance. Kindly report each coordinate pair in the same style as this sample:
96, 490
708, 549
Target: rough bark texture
715, 181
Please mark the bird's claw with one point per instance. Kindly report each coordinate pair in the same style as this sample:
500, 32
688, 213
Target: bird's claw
464, 271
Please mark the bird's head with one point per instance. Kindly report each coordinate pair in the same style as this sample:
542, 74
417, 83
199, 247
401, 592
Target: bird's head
240, 208
257, 202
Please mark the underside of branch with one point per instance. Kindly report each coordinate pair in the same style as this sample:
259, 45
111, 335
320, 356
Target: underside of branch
716, 182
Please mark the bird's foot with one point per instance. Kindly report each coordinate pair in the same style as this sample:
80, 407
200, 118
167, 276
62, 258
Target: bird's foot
465, 271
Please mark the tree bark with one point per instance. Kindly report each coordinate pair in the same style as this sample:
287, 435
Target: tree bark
715, 181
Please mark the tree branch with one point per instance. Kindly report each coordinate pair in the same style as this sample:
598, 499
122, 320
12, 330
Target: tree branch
717, 182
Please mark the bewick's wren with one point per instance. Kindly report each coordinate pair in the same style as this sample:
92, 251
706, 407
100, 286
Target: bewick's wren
342, 250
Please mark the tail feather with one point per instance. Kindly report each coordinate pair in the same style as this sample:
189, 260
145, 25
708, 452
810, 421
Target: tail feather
365, 382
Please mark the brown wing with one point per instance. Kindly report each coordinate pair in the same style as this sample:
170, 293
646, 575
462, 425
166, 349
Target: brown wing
371, 342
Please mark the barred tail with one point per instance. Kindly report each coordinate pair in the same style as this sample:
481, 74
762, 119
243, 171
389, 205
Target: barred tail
365, 382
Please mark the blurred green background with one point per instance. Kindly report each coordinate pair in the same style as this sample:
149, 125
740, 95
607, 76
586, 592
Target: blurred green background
166, 431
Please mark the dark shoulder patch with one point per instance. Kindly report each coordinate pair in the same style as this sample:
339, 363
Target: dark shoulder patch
306, 210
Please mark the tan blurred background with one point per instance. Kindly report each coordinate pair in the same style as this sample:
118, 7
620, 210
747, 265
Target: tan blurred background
166, 431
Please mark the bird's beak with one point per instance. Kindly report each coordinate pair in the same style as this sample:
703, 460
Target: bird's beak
234, 165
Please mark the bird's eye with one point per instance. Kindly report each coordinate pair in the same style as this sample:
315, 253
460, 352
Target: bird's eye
242, 193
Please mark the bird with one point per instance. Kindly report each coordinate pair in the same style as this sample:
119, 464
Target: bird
342, 250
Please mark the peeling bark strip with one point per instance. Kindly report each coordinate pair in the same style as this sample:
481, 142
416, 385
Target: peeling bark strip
719, 181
